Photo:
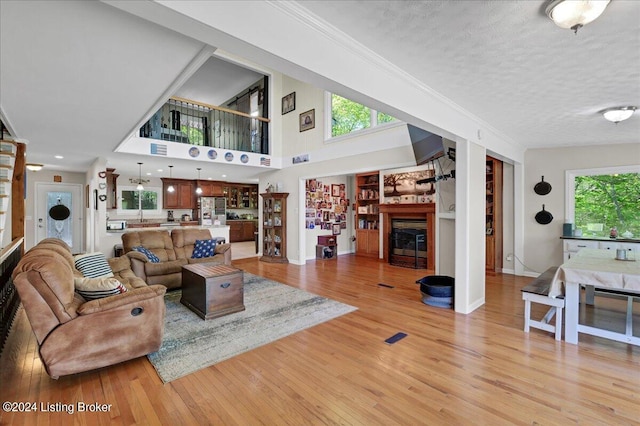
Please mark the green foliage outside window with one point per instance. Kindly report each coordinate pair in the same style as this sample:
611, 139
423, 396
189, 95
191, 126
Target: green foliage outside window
131, 199
384, 118
196, 137
348, 116
610, 200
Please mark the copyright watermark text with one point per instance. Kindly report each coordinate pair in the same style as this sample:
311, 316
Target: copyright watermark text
55, 407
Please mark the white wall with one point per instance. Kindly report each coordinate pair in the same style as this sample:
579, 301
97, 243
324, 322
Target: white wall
542, 246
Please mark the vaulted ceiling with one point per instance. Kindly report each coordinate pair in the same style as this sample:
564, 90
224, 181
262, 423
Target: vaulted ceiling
77, 77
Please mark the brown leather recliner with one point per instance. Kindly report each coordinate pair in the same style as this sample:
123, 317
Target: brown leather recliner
173, 249
75, 335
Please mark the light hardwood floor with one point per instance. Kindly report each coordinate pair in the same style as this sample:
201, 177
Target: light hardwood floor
479, 368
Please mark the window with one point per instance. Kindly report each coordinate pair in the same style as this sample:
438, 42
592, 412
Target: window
193, 127
348, 116
601, 199
132, 201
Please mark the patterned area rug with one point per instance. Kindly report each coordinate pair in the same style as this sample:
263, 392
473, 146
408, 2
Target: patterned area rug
272, 310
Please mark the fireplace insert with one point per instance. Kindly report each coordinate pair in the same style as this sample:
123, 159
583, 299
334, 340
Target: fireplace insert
408, 243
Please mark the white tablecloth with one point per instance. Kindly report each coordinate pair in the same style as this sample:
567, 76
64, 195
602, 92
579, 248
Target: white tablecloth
598, 268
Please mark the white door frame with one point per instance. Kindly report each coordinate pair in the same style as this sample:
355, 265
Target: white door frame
41, 189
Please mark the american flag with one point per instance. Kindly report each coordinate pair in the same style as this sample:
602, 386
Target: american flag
264, 161
158, 149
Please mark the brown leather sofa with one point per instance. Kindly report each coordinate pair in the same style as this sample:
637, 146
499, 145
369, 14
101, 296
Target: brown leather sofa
75, 335
174, 249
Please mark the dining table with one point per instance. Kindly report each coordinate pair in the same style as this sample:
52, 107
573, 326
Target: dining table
600, 269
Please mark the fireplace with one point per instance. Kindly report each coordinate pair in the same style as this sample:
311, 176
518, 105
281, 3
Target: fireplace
408, 243
406, 214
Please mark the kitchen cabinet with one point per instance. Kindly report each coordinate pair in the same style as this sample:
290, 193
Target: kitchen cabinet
367, 214
274, 226
183, 196
493, 215
112, 189
210, 188
248, 229
242, 230
241, 196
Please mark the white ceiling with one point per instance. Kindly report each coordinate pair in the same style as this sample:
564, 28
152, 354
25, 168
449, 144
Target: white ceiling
217, 81
77, 77
509, 64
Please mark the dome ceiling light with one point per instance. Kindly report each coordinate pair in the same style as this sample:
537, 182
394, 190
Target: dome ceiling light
618, 114
575, 14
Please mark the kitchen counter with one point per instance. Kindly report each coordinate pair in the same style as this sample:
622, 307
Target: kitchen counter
612, 240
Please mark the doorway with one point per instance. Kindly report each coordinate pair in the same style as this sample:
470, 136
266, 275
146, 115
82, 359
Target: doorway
58, 213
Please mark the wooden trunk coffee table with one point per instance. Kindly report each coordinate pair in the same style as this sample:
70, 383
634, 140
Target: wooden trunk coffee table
212, 290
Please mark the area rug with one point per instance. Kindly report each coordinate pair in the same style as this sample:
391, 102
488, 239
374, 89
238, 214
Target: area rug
272, 310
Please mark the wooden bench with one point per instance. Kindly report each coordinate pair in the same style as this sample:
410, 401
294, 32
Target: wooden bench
538, 291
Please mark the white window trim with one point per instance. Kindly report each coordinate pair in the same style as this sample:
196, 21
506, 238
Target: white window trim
570, 184
155, 189
374, 127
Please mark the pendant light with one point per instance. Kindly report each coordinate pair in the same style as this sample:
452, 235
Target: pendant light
198, 189
139, 187
170, 188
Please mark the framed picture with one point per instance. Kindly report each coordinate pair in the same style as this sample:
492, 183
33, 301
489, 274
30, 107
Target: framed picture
308, 120
335, 229
289, 103
335, 191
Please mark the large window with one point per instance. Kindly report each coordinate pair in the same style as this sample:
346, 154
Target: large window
348, 116
132, 201
601, 199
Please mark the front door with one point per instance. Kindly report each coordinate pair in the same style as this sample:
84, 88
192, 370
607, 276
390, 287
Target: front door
58, 212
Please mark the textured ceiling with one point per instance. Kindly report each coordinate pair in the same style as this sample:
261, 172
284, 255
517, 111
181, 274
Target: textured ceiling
508, 64
84, 74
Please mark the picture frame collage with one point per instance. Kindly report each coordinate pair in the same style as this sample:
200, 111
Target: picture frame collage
327, 206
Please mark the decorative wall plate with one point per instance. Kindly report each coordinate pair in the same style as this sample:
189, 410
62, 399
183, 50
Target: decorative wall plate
102, 185
244, 158
102, 175
102, 197
213, 154
194, 152
228, 156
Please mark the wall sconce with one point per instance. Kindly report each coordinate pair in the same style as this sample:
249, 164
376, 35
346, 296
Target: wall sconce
33, 167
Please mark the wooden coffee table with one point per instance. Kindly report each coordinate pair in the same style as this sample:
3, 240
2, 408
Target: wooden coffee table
212, 290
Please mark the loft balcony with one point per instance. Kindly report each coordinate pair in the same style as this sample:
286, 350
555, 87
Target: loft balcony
195, 123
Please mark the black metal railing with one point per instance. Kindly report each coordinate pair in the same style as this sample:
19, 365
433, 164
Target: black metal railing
9, 300
195, 123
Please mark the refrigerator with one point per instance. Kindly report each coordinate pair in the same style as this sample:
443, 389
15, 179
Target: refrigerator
213, 211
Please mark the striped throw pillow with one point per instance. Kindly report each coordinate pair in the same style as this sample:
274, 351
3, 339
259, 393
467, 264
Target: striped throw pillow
97, 288
93, 265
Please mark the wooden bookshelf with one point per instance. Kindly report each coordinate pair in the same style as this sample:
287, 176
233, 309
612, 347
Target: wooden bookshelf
367, 215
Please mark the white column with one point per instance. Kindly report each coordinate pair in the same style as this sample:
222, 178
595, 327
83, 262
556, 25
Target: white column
518, 218
470, 226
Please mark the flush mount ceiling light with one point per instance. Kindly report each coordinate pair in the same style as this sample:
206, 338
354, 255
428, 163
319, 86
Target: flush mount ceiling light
618, 114
170, 188
139, 187
198, 189
574, 14
33, 167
